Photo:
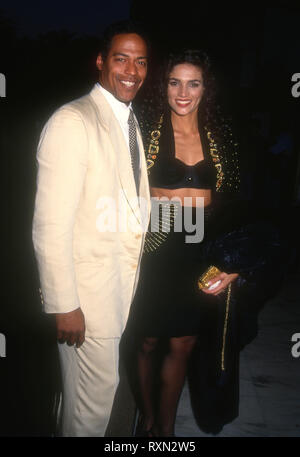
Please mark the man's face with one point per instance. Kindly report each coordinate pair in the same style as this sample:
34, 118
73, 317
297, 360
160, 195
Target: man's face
124, 70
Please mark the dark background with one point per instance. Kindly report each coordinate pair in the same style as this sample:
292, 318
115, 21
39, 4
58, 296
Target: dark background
47, 55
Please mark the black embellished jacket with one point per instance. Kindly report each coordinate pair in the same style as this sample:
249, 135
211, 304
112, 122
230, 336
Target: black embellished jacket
223, 150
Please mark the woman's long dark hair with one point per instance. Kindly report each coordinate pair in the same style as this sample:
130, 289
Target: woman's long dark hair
154, 94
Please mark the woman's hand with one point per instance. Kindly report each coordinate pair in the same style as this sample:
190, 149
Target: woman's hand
225, 280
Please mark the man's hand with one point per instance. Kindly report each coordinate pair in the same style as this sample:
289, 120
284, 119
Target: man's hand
70, 327
225, 280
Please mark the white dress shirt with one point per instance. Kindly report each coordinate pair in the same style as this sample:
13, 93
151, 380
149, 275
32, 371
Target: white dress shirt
120, 110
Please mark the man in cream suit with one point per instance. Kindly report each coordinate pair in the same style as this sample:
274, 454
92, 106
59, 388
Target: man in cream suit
91, 212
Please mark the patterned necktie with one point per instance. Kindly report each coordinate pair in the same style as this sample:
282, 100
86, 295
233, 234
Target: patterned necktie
134, 150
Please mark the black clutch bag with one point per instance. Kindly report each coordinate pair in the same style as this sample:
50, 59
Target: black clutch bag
254, 251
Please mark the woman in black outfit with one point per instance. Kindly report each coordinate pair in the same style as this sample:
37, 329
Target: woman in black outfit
192, 159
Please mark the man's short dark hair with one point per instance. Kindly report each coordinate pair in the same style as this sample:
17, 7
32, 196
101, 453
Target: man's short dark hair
121, 27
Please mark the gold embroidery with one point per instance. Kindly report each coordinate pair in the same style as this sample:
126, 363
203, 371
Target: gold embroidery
216, 159
153, 148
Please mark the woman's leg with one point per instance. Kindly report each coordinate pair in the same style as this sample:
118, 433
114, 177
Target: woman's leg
173, 375
145, 374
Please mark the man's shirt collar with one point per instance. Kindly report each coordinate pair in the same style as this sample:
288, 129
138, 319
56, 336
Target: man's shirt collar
120, 109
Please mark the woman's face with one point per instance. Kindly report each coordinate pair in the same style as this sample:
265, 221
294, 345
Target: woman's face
185, 88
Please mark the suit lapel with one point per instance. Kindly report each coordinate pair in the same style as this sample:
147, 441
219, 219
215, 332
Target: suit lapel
121, 153
144, 182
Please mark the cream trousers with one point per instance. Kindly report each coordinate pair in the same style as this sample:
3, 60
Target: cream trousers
89, 381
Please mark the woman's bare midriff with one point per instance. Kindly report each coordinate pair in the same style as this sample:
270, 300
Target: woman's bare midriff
186, 196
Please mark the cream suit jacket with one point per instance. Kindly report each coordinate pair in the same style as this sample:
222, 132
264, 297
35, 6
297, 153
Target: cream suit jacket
88, 227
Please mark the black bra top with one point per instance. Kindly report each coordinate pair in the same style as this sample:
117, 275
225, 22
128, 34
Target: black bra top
175, 174
169, 172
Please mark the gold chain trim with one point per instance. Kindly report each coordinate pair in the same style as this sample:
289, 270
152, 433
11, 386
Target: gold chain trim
216, 159
225, 327
160, 227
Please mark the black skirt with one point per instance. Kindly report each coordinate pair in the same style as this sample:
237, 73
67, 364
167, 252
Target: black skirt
168, 302
236, 240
